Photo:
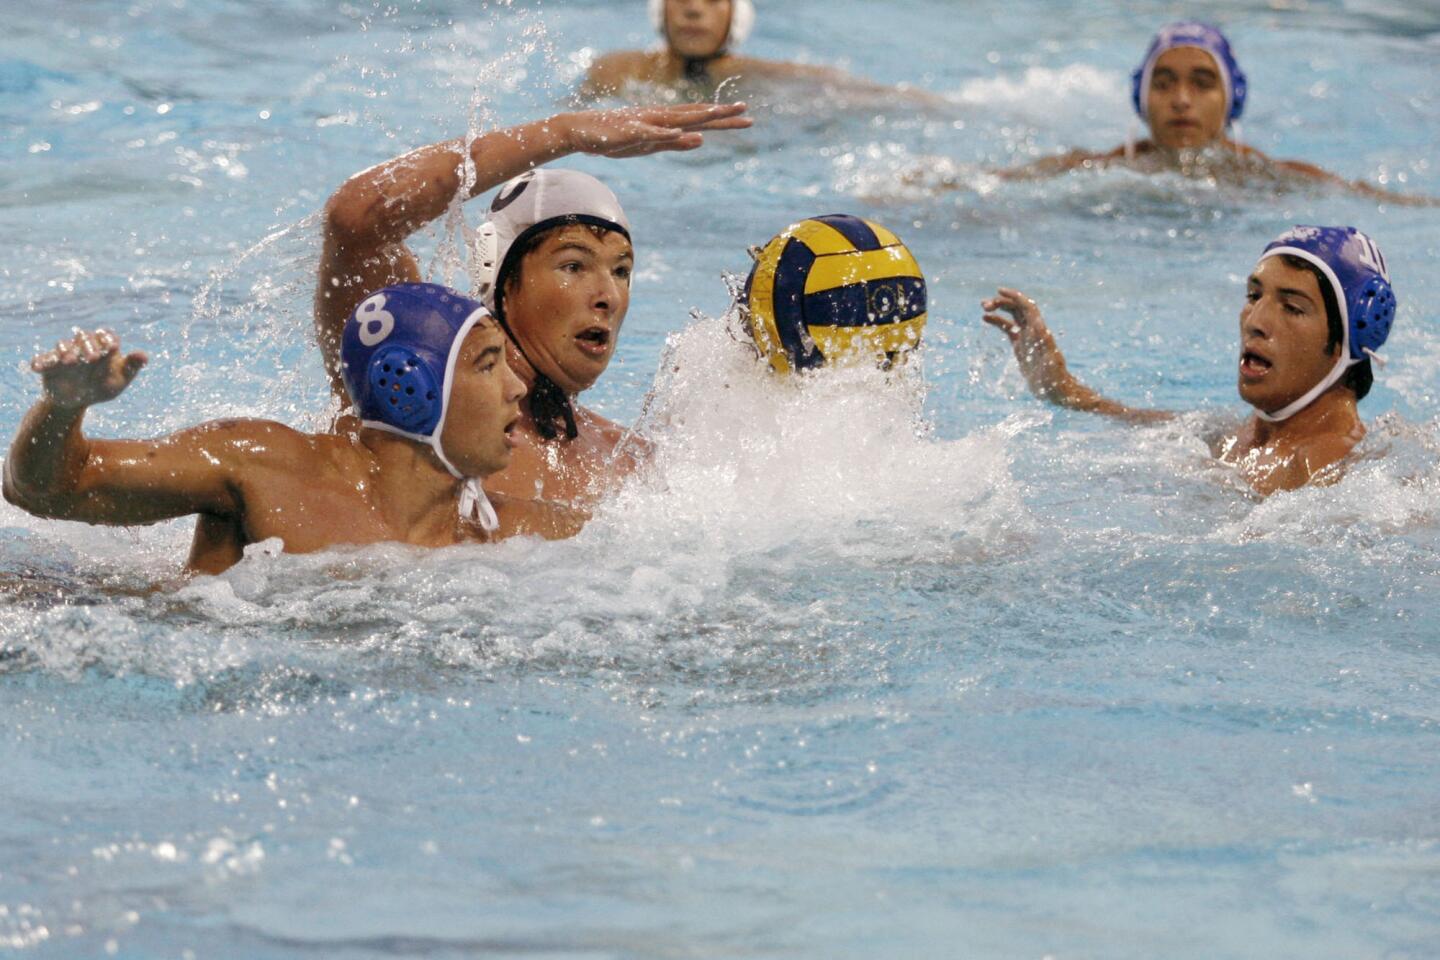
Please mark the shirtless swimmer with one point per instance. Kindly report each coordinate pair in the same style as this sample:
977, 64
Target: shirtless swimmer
439, 405
700, 40
1318, 306
554, 260
1190, 92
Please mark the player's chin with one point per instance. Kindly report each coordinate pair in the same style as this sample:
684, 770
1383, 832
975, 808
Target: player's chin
1259, 396
499, 459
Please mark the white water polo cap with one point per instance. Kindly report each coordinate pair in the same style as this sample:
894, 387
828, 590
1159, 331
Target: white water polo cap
1355, 269
742, 21
534, 201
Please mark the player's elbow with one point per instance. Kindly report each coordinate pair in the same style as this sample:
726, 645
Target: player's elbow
347, 216
30, 498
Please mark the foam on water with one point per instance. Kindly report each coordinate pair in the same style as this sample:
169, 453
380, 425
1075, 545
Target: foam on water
858, 664
757, 482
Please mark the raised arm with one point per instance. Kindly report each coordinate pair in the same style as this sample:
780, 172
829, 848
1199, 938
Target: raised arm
368, 219
54, 470
1043, 364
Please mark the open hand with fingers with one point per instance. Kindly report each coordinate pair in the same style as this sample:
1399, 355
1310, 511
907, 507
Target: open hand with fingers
638, 131
1035, 348
87, 368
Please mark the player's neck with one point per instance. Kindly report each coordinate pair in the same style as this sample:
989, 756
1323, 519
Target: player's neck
410, 486
1333, 413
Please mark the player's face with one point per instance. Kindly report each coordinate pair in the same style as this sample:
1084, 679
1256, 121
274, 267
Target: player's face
1187, 103
1284, 336
479, 431
568, 302
696, 28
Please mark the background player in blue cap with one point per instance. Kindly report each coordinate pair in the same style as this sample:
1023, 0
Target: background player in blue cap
424, 366
553, 263
1190, 91
1317, 308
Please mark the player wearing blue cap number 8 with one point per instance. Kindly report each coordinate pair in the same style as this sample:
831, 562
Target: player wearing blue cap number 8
424, 366
1318, 307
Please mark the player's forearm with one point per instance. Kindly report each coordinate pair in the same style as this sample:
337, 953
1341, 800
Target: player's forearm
387, 203
1052, 382
46, 459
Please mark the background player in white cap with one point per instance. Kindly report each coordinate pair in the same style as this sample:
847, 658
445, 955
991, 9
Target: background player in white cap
557, 274
700, 38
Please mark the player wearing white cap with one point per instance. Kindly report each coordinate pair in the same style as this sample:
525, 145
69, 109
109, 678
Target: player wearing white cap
699, 39
553, 263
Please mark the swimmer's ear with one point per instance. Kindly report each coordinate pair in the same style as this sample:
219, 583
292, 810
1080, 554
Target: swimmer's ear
754, 250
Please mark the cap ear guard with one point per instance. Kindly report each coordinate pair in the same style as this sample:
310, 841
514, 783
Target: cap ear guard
1238, 89
1373, 313
485, 262
400, 379
742, 22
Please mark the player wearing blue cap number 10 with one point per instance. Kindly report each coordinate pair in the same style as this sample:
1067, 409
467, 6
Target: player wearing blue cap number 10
1318, 306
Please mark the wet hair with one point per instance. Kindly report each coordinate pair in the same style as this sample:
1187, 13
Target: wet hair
1361, 376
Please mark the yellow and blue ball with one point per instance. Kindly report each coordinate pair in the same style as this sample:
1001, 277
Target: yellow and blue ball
834, 289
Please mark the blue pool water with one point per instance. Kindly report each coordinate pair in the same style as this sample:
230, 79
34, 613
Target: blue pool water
837, 681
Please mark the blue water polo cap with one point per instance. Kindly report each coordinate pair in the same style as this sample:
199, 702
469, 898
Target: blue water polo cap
1204, 36
1355, 269
397, 357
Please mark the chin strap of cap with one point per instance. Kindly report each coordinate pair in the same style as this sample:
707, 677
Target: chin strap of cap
1286, 412
476, 507
549, 403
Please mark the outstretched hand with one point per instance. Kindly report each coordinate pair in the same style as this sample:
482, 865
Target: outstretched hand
638, 131
1035, 349
86, 369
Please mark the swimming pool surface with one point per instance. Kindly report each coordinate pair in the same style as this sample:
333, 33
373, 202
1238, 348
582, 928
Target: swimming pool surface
837, 681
